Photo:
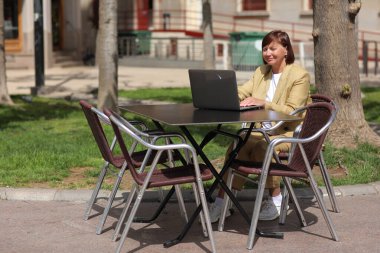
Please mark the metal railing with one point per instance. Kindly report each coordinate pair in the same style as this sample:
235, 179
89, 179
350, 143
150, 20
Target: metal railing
162, 48
370, 55
168, 19
241, 56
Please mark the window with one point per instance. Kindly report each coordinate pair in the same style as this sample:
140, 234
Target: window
252, 9
12, 25
11, 19
307, 9
219, 50
309, 5
254, 5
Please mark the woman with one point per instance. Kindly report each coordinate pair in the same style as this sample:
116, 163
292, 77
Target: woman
278, 85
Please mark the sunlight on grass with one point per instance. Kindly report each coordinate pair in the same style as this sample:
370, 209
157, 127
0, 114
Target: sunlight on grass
371, 104
362, 163
43, 140
177, 95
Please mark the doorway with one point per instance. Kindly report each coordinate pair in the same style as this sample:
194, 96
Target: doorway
144, 14
57, 24
12, 25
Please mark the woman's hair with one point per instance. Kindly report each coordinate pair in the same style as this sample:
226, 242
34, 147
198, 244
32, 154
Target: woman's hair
282, 38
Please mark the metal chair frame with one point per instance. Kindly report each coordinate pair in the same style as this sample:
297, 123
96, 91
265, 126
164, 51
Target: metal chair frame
286, 156
288, 189
299, 142
149, 173
153, 136
119, 162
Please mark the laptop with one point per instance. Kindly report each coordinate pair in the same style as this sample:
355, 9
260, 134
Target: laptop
216, 89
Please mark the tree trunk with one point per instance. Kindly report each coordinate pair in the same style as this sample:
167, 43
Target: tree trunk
337, 69
5, 99
108, 55
208, 49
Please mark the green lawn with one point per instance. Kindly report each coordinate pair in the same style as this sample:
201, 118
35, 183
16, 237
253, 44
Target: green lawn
371, 104
43, 141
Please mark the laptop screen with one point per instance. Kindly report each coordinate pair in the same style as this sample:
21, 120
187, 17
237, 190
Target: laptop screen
214, 89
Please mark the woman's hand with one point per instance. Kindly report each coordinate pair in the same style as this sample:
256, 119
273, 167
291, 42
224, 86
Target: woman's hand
252, 101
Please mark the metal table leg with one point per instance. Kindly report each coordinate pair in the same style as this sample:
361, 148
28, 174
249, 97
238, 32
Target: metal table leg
218, 180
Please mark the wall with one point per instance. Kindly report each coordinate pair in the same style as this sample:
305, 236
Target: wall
27, 27
193, 14
88, 38
369, 15
48, 38
73, 32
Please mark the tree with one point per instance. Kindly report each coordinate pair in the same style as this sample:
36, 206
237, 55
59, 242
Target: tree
337, 69
4, 96
107, 54
208, 49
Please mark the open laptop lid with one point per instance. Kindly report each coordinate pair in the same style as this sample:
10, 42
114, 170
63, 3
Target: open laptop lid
215, 89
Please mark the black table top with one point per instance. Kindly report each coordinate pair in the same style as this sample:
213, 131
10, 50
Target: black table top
186, 114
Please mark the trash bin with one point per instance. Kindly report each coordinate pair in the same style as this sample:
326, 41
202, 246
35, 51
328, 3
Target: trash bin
134, 42
246, 50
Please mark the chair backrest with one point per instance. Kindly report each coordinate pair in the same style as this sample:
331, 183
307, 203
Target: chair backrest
117, 125
318, 119
132, 125
320, 98
94, 118
315, 98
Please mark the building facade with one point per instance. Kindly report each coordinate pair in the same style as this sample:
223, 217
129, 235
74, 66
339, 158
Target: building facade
66, 24
69, 25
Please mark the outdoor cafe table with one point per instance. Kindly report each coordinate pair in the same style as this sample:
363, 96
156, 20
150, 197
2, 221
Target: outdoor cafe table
184, 115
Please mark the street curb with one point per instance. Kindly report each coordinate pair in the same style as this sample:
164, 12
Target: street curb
36, 194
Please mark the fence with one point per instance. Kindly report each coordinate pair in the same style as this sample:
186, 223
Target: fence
162, 48
191, 49
370, 57
169, 19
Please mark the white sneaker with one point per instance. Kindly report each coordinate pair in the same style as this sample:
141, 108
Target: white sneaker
269, 211
216, 211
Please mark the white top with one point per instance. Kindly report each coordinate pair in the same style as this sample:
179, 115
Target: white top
272, 87
270, 94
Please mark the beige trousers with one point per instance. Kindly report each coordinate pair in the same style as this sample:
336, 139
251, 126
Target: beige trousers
254, 150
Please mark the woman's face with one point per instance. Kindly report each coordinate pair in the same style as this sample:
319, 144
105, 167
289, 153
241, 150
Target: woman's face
274, 54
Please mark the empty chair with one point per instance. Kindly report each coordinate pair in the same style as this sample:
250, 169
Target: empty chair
167, 159
96, 120
148, 177
307, 147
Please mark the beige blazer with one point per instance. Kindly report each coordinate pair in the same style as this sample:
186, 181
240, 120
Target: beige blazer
292, 91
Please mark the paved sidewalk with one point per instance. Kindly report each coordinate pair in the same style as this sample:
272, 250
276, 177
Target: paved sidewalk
50, 220
57, 226
83, 79
78, 81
